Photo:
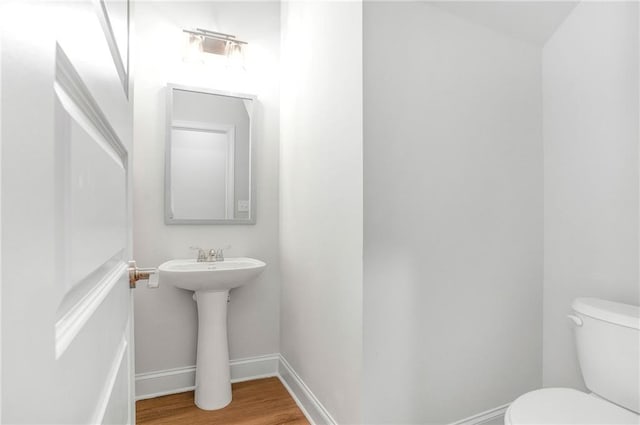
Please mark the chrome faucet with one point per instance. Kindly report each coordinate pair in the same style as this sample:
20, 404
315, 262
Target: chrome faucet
218, 253
210, 255
203, 256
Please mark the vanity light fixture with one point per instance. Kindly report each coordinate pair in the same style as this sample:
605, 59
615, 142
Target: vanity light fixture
217, 43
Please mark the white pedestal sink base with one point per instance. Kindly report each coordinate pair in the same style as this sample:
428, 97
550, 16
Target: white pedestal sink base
211, 282
213, 377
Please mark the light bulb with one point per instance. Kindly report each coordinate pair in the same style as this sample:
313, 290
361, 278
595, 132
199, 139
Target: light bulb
193, 49
235, 56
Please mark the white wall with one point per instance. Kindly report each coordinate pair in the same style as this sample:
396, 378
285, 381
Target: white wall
321, 200
166, 317
452, 218
590, 76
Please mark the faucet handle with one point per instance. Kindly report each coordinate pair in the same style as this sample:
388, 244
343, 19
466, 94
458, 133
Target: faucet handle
202, 254
218, 254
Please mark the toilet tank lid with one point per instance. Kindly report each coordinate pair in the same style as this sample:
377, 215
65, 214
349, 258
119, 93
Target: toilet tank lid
609, 311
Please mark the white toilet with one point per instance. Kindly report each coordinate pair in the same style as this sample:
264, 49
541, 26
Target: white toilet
608, 344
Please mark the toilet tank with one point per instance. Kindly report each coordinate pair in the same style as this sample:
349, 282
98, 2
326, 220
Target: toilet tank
608, 344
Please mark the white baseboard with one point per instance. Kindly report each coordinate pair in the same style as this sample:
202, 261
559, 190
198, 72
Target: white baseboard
254, 368
178, 380
173, 381
311, 407
484, 417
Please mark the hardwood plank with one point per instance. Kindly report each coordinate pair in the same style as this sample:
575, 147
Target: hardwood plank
259, 402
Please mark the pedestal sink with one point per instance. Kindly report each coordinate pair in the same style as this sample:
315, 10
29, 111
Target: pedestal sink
211, 282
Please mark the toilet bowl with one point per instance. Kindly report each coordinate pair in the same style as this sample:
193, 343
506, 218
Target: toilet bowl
566, 406
608, 345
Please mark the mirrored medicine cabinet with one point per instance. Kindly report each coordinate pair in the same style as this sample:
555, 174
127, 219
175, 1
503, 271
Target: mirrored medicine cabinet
209, 162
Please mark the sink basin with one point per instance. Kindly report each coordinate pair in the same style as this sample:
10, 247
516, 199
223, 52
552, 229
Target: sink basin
217, 276
211, 283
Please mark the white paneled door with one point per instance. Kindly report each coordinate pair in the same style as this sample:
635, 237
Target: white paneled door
66, 128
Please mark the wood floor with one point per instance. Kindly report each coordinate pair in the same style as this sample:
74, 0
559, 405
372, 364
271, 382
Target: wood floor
259, 402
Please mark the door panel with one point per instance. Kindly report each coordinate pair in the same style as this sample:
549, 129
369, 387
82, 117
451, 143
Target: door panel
67, 341
115, 23
118, 410
87, 368
94, 209
88, 44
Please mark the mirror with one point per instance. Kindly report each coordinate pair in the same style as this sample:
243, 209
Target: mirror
208, 158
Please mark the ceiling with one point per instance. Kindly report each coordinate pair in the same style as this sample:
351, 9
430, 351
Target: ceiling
533, 21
